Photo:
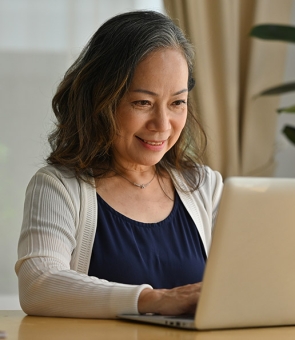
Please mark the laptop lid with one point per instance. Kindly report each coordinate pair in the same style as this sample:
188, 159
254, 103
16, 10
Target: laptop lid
249, 277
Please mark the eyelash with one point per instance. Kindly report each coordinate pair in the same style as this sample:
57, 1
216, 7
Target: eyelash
180, 102
141, 102
146, 102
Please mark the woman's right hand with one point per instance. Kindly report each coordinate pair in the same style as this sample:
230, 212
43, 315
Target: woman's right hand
175, 301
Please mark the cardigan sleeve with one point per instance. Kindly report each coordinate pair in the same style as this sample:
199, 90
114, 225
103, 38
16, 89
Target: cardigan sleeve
47, 284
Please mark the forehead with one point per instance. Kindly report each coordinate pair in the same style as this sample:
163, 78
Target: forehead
167, 54
162, 66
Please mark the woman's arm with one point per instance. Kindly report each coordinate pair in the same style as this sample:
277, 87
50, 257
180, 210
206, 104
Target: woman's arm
46, 288
47, 285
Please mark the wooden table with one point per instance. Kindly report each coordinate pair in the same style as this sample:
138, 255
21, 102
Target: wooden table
18, 326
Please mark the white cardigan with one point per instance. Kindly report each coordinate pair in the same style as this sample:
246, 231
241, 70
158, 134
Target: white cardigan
55, 246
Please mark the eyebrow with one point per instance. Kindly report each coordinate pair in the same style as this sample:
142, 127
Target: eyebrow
155, 94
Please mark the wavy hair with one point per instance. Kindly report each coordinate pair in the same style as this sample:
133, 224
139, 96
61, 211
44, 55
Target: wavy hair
86, 99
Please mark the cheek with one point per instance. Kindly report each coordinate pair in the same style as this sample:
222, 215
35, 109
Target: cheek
184, 121
178, 127
181, 123
129, 123
124, 127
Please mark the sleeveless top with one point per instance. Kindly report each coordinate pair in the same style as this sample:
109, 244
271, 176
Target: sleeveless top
166, 254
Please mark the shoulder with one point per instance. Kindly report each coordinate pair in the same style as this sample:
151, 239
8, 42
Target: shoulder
53, 187
59, 180
60, 174
209, 179
212, 180
57, 172
210, 187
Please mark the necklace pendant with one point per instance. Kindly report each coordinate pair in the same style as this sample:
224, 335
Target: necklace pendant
141, 186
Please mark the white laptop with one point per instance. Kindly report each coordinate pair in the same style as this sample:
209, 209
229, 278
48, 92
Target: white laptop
249, 279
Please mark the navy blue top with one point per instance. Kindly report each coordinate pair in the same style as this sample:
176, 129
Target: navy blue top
166, 254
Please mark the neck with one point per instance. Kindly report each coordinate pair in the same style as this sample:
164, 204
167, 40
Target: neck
136, 170
139, 177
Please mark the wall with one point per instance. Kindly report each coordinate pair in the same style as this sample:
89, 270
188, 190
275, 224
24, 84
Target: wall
39, 39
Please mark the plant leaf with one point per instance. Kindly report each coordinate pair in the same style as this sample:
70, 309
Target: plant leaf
290, 109
289, 132
287, 87
274, 32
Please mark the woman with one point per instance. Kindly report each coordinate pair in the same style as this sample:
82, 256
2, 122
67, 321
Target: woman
120, 220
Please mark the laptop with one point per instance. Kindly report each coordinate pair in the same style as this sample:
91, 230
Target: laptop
249, 279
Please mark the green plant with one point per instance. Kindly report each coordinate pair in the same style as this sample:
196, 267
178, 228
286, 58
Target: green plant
284, 33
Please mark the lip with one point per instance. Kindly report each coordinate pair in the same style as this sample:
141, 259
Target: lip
154, 145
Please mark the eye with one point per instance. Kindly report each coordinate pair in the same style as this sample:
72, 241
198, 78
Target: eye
179, 102
141, 103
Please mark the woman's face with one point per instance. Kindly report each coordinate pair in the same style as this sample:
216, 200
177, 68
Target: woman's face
152, 114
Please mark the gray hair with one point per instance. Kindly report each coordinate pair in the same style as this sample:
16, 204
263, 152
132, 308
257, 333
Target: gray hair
123, 41
86, 99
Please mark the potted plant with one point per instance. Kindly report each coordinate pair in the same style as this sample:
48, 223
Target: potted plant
284, 33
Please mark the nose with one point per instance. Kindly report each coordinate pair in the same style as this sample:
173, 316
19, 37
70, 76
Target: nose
160, 120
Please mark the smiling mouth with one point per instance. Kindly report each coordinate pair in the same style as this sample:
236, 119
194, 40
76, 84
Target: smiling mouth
153, 143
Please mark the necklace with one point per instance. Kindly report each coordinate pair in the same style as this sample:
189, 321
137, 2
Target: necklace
141, 186
171, 199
